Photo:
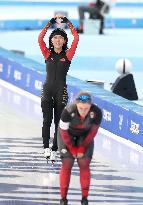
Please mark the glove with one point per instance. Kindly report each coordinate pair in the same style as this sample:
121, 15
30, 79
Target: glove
53, 20
64, 20
81, 150
73, 150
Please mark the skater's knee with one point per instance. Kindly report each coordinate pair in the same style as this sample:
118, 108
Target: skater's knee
47, 121
67, 163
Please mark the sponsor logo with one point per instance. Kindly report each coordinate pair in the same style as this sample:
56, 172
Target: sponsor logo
134, 127
17, 75
120, 121
63, 59
38, 84
8, 71
28, 77
1, 67
107, 115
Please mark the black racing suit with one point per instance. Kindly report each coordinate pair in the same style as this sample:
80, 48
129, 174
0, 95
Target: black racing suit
54, 94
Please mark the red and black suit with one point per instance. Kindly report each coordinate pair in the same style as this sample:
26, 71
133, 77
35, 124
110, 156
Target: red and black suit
76, 135
54, 94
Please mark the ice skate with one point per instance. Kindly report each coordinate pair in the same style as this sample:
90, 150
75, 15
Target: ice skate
84, 201
63, 202
53, 156
47, 153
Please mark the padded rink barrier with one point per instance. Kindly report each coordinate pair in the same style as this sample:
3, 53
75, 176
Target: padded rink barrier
122, 119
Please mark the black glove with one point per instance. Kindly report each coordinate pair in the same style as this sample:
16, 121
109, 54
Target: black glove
53, 20
64, 20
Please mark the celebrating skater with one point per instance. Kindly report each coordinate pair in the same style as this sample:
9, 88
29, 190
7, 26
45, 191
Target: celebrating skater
54, 95
78, 126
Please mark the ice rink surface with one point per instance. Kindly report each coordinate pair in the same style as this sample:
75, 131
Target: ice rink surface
27, 179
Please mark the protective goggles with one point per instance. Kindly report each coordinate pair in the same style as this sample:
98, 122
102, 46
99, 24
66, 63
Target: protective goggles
84, 98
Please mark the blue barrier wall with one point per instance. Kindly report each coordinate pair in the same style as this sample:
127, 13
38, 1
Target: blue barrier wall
120, 116
28, 24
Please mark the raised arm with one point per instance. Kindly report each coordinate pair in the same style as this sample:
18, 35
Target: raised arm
45, 51
71, 51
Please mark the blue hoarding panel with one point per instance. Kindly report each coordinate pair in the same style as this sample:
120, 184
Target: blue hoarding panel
120, 116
